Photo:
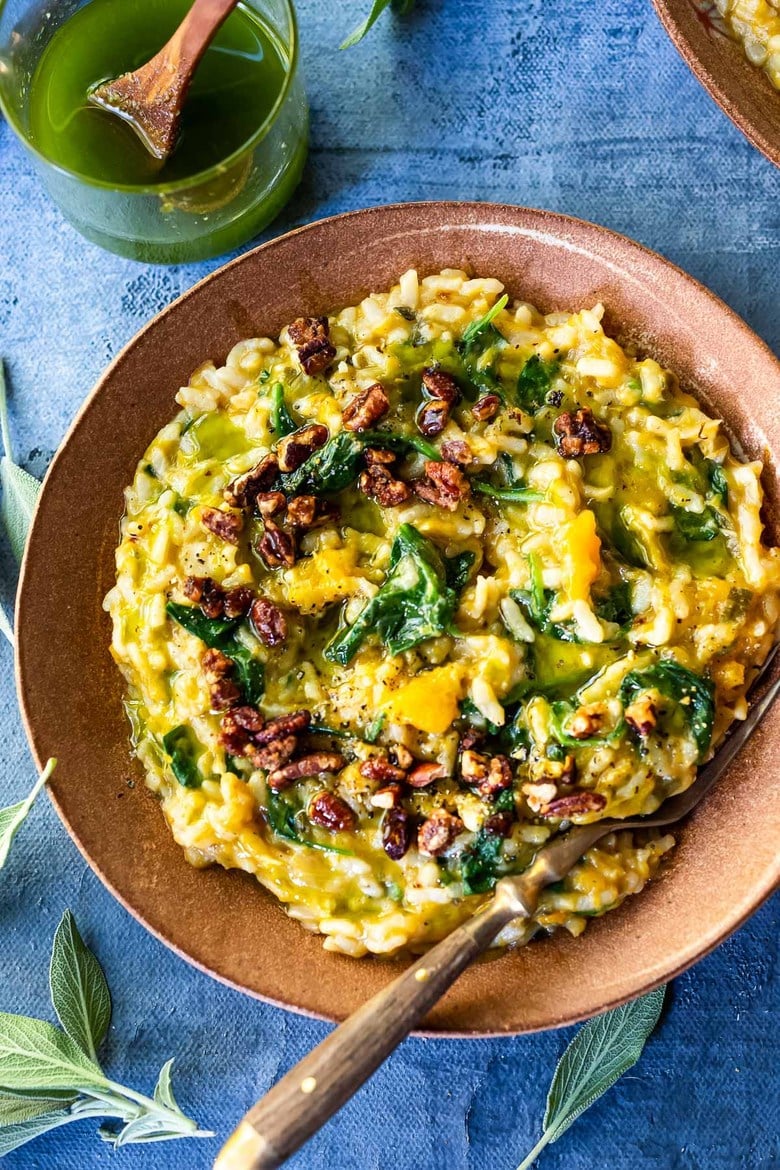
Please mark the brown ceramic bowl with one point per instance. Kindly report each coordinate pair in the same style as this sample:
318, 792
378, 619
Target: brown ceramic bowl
743, 91
726, 862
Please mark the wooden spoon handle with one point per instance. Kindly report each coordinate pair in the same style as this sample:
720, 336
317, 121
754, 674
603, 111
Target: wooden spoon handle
311, 1092
195, 33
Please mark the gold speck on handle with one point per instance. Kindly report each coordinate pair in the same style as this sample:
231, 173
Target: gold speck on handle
422, 975
308, 1084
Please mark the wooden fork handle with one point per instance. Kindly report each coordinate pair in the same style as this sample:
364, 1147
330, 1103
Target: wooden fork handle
311, 1092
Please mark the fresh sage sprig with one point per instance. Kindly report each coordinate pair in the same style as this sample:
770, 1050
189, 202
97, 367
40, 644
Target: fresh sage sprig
377, 8
51, 1076
13, 817
599, 1054
19, 495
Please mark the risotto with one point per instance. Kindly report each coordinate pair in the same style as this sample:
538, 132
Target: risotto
757, 24
409, 591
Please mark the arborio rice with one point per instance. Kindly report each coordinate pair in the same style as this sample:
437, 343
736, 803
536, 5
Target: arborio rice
406, 593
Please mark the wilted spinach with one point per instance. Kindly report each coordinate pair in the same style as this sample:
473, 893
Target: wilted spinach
694, 695
533, 384
457, 570
283, 818
282, 422
414, 603
221, 634
696, 526
182, 749
480, 862
331, 469
479, 348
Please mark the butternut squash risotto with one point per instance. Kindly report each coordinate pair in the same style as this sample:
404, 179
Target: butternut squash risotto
407, 592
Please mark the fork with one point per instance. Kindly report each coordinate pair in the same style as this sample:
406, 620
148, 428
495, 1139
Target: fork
311, 1092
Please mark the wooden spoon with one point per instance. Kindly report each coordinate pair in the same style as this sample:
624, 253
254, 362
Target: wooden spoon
151, 98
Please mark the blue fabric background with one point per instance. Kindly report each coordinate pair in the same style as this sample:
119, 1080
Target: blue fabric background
578, 107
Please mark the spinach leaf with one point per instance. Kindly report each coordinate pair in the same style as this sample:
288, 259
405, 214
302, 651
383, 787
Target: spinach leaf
538, 603
616, 606
481, 861
414, 603
221, 634
512, 495
402, 7
694, 695
401, 444
717, 481
479, 348
281, 420
331, 469
457, 570
533, 384
181, 748
696, 525
283, 818
479, 328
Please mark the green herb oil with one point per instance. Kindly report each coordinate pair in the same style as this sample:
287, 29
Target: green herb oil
233, 91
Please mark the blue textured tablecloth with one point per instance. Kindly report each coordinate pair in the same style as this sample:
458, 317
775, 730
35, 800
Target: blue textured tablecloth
577, 107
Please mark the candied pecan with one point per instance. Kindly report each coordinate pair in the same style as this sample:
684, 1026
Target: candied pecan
244, 490
387, 797
401, 756
366, 408
642, 716
438, 832
226, 525
216, 665
268, 622
432, 417
474, 766
379, 768
275, 753
224, 694
311, 512
310, 336
498, 824
295, 449
205, 592
236, 602
378, 455
381, 485
422, 775
444, 486
486, 407
276, 546
579, 433
498, 778
396, 833
311, 765
439, 385
233, 737
457, 451
249, 719
331, 812
270, 503
576, 804
587, 721
470, 739
292, 724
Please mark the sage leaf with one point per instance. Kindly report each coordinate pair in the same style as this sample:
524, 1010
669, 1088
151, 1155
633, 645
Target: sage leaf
79, 991
21, 1132
599, 1054
19, 488
15, 1110
12, 818
377, 8
163, 1090
5, 626
36, 1055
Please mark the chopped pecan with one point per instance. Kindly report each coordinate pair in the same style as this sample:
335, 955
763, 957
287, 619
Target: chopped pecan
579, 433
396, 833
576, 804
244, 490
444, 486
539, 795
268, 622
292, 724
438, 832
295, 449
276, 546
471, 738
432, 417
236, 601
312, 765
311, 512
274, 754
366, 408
270, 503
311, 338
378, 455
216, 665
401, 756
205, 592
422, 775
233, 737
457, 451
387, 797
249, 718
380, 769
474, 766
439, 385
331, 812
498, 824
498, 778
486, 407
381, 485
587, 721
642, 716
226, 525
224, 694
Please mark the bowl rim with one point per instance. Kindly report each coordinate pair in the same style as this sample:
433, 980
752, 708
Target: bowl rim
554, 223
